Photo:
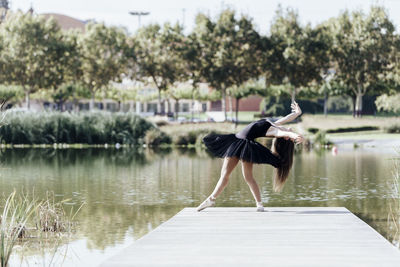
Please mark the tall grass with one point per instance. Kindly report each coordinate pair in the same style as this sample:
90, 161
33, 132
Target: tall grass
394, 204
21, 127
16, 213
320, 139
27, 220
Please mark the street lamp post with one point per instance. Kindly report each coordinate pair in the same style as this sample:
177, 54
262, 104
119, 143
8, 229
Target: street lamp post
139, 14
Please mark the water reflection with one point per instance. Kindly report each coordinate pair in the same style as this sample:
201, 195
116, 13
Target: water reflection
128, 192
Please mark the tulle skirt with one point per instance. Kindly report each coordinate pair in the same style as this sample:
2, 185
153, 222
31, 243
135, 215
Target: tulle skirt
228, 145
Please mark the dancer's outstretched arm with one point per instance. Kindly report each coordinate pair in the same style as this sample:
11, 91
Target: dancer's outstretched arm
278, 132
296, 111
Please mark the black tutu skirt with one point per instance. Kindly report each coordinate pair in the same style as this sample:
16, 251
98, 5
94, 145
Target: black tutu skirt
228, 145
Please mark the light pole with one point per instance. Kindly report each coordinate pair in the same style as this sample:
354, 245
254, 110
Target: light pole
139, 14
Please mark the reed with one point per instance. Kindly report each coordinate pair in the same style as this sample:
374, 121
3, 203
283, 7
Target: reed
16, 213
393, 218
30, 222
97, 127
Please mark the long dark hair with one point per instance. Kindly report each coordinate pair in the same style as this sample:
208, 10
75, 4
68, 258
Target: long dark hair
284, 149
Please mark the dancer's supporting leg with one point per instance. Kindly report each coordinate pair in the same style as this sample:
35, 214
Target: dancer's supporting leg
247, 170
227, 168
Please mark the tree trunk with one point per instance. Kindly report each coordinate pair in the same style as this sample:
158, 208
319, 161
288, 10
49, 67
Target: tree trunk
325, 103
237, 112
176, 109
223, 102
137, 107
159, 102
75, 105
27, 99
231, 107
91, 103
192, 106
293, 94
359, 98
168, 108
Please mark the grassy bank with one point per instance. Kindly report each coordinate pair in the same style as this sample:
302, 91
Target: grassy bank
104, 129
341, 121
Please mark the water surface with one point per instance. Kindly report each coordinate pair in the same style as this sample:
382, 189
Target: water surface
129, 192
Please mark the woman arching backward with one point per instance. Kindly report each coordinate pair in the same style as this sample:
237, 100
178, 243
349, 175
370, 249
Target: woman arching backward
242, 147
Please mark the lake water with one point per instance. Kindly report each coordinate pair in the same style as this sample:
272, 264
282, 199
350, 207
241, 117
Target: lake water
128, 192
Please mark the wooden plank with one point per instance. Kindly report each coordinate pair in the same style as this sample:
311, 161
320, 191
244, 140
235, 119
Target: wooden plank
280, 236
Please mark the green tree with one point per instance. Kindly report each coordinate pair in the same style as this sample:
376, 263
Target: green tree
297, 55
363, 51
10, 93
192, 63
32, 48
389, 103
244, 90
120, 95
156, 56
231, 49
179, 93
102, 54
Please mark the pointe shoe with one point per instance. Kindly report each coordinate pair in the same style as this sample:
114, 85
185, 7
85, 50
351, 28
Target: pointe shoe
206, 203
260, 207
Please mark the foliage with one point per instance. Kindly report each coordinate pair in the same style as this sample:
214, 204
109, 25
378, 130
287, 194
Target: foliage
313, 130
35, 52
280, 106
189, 138
26, 217
388, 103
155, 137
394, 128
231, 51
226, 52
345, 129
352, 129
339, 104
320, 139
155, 55
363, 50
297, 54
17, 210
72, 128
102, 52
10, 93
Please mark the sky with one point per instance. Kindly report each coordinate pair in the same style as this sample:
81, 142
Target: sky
116, 12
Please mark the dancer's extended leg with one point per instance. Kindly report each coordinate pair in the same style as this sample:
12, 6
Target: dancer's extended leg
227, 168
247, 170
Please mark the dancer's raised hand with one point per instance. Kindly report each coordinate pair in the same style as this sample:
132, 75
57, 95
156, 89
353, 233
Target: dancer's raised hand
295, 108
299, 139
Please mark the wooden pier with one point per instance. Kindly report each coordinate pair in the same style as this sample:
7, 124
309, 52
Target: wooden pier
280, 236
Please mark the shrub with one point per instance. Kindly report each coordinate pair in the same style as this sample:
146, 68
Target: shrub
95, 127
395, 128
160, 123
313, 130
320, 138
180, 139
193, 137
155, 137
353, 129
